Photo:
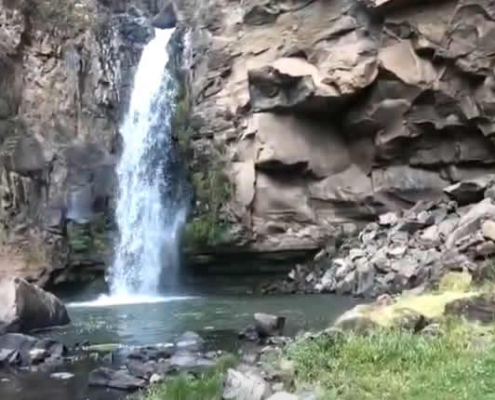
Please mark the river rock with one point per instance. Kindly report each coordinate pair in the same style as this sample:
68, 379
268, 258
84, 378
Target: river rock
190, 341
269, 325
246, 385
107, 377
24, 307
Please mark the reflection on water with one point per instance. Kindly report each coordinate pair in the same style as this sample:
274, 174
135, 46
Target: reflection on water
159, 322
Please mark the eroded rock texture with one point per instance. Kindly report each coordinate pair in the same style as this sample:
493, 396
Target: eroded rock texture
328, 112
67, 69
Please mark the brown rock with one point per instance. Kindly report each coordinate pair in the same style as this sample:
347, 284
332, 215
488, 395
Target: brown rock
476, 308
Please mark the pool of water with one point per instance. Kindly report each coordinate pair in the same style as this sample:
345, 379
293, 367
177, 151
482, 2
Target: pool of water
218, 319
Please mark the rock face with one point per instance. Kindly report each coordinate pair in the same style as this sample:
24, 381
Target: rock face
24, 307
66, 78
313, 114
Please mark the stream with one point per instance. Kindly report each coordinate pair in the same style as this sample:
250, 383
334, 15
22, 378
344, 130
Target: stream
218, 319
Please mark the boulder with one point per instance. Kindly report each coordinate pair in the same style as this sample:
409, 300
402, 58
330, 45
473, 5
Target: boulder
488, 230
110, 378
189, 341
166, 18
470, 191
246, 385
480, 308
24, 307
269, 325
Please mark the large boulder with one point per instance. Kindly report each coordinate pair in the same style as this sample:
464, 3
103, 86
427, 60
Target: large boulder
269, 325
166, 18
25, 307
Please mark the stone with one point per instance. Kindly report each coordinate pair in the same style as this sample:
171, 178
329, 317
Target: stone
472, 221
110, 378
488, 230
346, 285
247, 385
269, 325
388, 219
25, 307
63, 376
166, 18
156, 378
365, 279
283, 396
470, 191
193, 362
327, 282
190, 341
409, 320
479, 308
485, 249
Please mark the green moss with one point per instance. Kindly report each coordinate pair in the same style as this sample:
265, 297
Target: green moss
89, 238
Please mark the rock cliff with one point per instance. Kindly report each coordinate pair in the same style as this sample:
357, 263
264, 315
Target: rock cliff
67, 68
309, 118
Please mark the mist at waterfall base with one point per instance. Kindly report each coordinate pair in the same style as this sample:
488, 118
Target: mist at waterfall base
151, 209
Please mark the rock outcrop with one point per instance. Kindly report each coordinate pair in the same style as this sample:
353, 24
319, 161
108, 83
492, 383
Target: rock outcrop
313, 114
25, 307
67, 70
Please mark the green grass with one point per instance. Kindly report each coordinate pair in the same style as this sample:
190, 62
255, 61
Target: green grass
208, 386
392, 364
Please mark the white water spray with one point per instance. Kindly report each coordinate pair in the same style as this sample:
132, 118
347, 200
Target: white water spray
148, 214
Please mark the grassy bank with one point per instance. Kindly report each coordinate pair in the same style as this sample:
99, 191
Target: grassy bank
393, 364
207, 386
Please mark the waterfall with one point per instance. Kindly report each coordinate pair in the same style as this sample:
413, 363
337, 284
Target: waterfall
149, 215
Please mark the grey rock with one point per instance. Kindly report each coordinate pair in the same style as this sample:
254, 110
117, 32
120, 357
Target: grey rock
110, 378
269, 325
470, 191
190, 341
248, 385
24, 307
166, 18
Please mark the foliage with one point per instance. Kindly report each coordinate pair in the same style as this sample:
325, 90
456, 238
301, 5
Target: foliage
208, 386
393, 364
211, 186
455, 281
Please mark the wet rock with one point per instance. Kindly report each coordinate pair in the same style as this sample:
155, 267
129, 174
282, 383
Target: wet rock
24, 307
166, 18
15, 349
190, 341
63, 376
188, 361
246, 385
269, 325
110, 378
250, 334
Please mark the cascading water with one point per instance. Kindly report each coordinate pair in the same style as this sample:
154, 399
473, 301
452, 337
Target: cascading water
149, 213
